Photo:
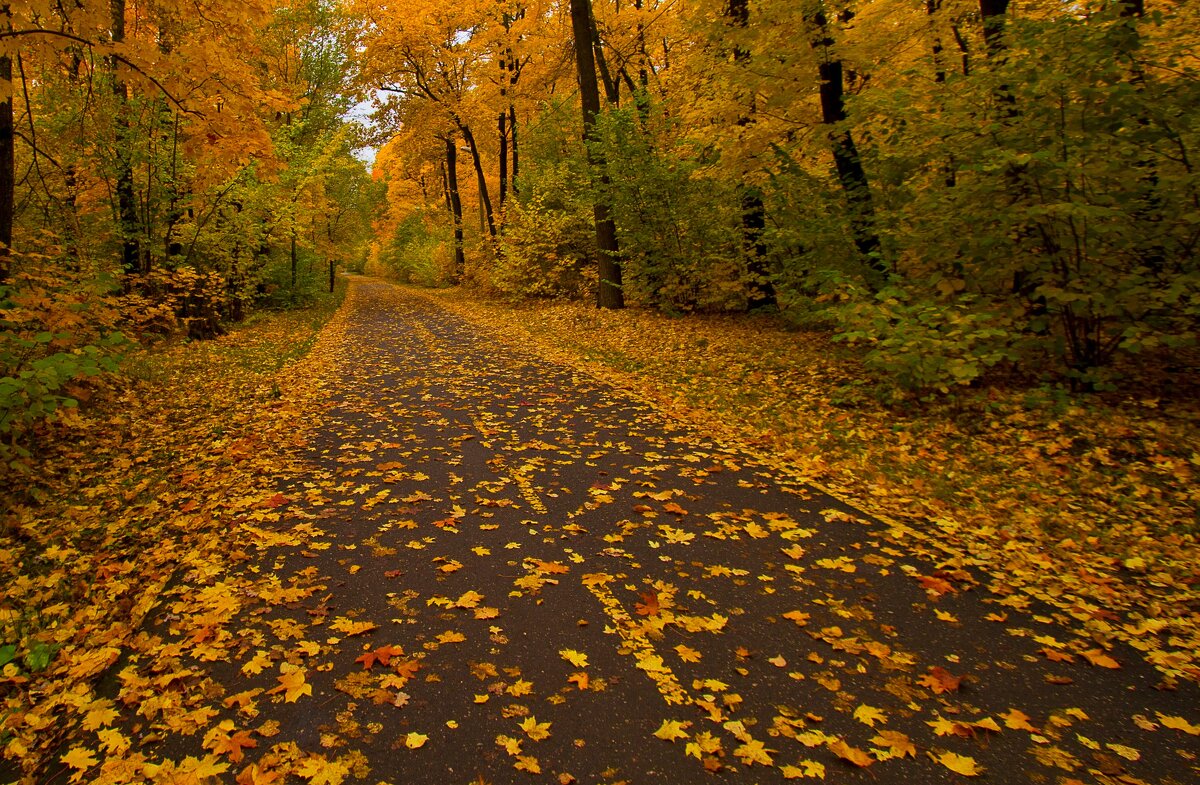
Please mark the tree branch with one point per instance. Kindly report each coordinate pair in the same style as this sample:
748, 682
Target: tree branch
117, 57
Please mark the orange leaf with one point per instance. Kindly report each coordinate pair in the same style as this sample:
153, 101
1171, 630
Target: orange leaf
649, 605
852, 754
940, 680
1100, 659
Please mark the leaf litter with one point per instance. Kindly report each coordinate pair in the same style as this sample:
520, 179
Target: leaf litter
653, 565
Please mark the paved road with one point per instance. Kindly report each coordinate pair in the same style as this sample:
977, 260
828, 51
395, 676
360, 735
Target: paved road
501, 570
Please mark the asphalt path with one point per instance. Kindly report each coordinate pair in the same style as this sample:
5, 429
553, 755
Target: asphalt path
502, 570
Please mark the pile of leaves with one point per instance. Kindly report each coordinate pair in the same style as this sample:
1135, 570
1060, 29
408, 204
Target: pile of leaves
137, 493
1085, 503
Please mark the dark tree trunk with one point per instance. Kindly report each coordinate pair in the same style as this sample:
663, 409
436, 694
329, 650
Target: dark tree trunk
480, 178
849, 167
445, 187
502, 127
7, 180
512, 125
460, 264
294, 259
932, 7
993, 12
127, 214
761, 292
963, 50
612, 85
609, 294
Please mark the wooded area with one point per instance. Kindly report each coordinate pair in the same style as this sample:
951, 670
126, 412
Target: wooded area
966, 187
713, 242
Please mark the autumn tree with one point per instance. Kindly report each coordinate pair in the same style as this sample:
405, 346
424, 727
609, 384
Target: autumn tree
609, 294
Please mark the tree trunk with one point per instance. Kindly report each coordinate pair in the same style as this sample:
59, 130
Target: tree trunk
294, 257
512, 125
609, 294
932, 7
992, 12
460, 264
502, 127
849, 167
484, 199
7, 180
761, 292
127, 214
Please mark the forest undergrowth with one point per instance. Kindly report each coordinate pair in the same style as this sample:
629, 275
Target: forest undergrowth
1084, 502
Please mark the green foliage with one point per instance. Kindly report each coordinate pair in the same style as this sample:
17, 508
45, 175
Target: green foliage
927, 346
1040, 210
412, 254
549, 236
56, 337
678, 226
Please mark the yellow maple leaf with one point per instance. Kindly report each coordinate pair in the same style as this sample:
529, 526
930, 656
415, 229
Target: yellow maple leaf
687, 654
807, 768
1178, 723
897, 744
469, 599
349, 627
578, 659
852, 754
319, 771
451, 636
753, 751
99, 717
511, 746
291, 683
869, 715
1128, 753
703, 744
959, 764
79, 758
115, 742
257, 664
1017, 720
534, 729
528, 763
670, 730
799, 617
414, 740
520, 687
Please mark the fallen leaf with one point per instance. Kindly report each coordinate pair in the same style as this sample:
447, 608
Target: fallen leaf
670, 730
959, 764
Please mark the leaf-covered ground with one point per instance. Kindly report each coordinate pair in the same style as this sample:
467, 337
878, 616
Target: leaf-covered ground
1088, 503
482, 566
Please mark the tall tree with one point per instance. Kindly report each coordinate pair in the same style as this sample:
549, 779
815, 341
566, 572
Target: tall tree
128, 219
7, 153
754, 214
455, 203
609, 293
846, 159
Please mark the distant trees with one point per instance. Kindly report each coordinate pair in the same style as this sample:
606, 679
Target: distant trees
956, 187
163, 167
